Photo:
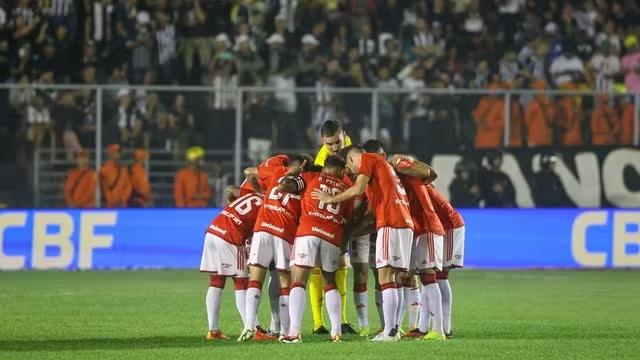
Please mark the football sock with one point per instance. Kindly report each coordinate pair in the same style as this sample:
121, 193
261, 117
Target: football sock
432, 303
334, 308
412, 299
284, 310
401, 307
316, 297
379, 305
447, 301
212, 301
389, 306
274, 301
341, 285
361, 301
254, 293
297, 304
240, 285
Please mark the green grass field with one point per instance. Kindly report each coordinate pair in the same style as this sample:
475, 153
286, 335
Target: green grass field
160, 314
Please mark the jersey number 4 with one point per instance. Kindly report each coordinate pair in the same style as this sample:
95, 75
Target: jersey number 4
332, 208
244, 204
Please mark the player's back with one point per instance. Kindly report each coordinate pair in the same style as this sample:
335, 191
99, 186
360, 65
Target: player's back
280, 211
386, 194
447, 214
320, 219
274, 161
235, 222
425, 218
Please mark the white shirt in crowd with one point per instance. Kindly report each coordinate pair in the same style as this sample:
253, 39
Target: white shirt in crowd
224, 97
612, 39
38, 116
511, 6
285, 96
166, 40
604, 67
562, 66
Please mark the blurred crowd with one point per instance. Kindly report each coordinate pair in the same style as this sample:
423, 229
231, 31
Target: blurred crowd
320, 44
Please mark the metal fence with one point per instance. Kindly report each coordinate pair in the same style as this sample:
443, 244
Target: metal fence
240, 126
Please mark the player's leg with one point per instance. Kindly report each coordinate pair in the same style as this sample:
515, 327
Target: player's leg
442, 278
412, 298
341, 285
240, 284
303, 260
387, 282
214, 295
404, 280
453, 254
431, 295
316, 298
330, 263
378, 296
274, 301
260, 256
282, 258
360, 265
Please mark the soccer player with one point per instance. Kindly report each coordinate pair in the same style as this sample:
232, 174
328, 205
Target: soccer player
426, 254
333, 138
319, 238
453, 253
272, 240
224, 255
393, 223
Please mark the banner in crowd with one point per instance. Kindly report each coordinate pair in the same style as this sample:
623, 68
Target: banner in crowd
591, 178
171, 238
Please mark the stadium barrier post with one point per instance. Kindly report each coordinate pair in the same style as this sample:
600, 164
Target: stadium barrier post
98, 148
507, 118
375, 121
237, 158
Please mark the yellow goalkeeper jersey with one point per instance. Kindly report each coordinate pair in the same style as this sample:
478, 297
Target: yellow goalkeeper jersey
324, 151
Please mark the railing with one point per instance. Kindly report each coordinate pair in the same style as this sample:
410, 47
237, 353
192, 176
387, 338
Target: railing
225, 121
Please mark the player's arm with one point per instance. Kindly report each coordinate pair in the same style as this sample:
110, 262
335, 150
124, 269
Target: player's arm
252, 175
291, 184
410, 166
357, 189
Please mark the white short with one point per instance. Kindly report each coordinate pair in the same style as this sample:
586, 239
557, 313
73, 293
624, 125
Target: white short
312, 251
427, 252
222, 258
393, 248
453, 248
359, 253
267, 248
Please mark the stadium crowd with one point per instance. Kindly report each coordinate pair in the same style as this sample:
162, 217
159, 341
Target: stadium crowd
388, 44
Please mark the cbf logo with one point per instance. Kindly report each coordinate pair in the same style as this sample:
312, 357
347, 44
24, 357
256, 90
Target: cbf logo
621, 232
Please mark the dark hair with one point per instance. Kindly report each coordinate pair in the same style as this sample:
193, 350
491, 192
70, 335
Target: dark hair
345, 151
373, 146
300, 158
331, 128
334, 162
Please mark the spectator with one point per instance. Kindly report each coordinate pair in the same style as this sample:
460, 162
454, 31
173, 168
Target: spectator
604, 66
114, 179
547, 189
285, 104
610, 36
539, 117
605, 123
140, 187
192, 19
218, 182
569, 117
627, 118
387, 104
497, 189
165, 40
38, 121
81, 183
489, 119
224, 79
261, 128
129, 124
191, 187
184, 123
567, 67
141, 46
68, 119
86, 101
631, 64
248, 63
464, 189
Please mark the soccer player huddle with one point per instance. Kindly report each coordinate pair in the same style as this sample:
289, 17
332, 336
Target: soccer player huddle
292, 216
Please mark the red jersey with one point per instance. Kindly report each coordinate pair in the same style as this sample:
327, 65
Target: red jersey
280, 211
319, 219
450, 217
423, 214
235, 222
387, 196
277, 160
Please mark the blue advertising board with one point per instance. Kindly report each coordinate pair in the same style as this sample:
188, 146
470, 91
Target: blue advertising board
172, 238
